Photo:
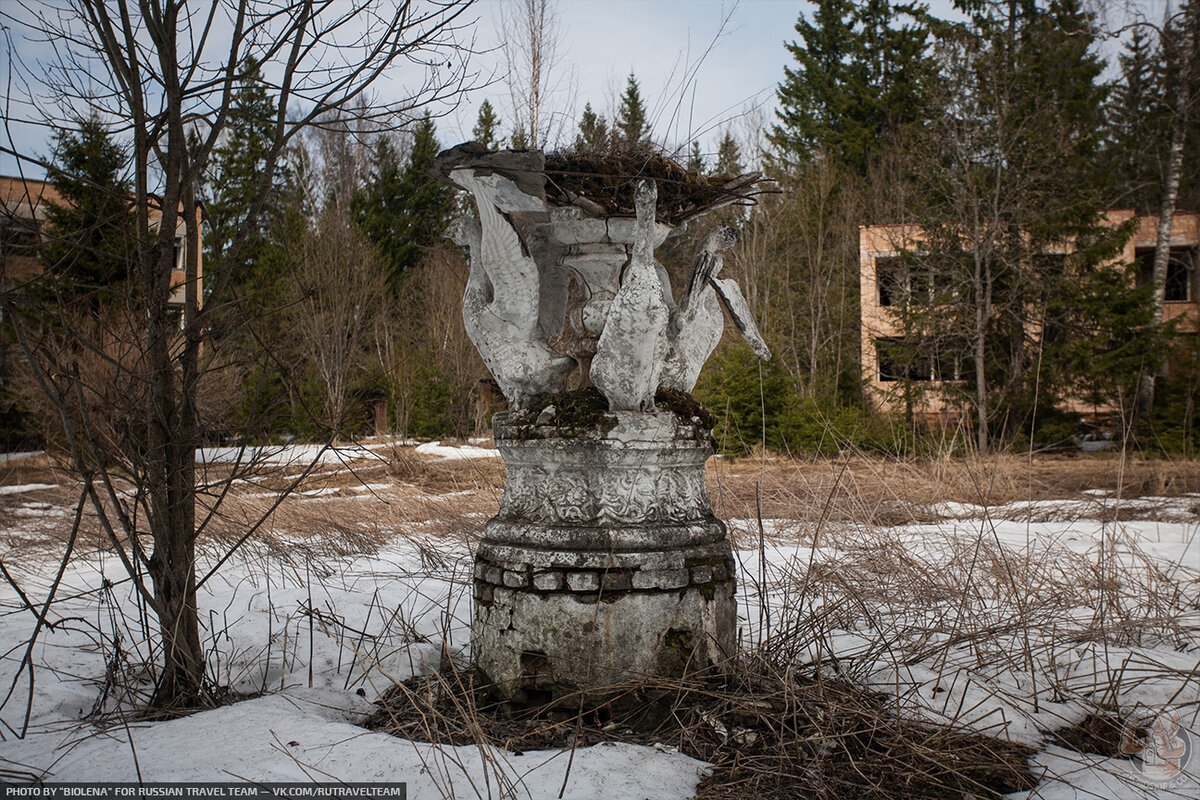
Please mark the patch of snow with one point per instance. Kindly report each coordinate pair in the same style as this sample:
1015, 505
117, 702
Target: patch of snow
378, 618
369, 621
285, 455
449, 453
322, 492
19, 456
28, 487
372, 487
1074, 776
302, 735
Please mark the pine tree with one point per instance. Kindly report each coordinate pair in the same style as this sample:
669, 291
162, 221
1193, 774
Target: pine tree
403, 210
91, 232
236, 164
860, 76
518, 140
1138, 123
593, 133
631, 127
695, 161
729, 156
486, 125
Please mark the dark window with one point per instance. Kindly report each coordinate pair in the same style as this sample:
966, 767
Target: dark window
899, 360
1181, 266
889, 274
20, 238
946, 367
922, 282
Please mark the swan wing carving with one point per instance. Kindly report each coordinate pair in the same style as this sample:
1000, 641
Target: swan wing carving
501, 300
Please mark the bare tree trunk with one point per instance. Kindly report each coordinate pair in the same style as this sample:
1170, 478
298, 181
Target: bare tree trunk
531, 51
108, 53
981, 286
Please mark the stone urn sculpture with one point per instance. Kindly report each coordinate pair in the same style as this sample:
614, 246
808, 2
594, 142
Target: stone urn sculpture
605, 565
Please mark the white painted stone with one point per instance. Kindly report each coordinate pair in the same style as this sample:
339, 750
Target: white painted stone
583, 581
624, 229
583, 574
501, 306
633, 345
547, 581
578, 231
660, 579
697, 324
735, 304
591, 646
627, 334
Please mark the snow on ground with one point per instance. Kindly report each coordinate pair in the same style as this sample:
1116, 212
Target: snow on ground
28, 487
301, 735
374, 621
285, 454
20, 456
455, 453
1017, 649
300, 455
925, 613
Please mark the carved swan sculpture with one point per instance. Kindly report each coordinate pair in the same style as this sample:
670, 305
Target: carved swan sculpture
632, 347
697, 325
501, 301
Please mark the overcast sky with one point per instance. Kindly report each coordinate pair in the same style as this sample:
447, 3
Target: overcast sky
692, 91
701, 64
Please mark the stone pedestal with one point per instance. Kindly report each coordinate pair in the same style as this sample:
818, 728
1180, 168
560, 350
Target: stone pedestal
605, 565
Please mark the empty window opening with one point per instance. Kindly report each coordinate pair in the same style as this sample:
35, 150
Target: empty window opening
1181, 271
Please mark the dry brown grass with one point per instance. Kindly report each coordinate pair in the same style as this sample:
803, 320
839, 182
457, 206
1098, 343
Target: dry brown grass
419, 496
879, 492
335, 510
766, 731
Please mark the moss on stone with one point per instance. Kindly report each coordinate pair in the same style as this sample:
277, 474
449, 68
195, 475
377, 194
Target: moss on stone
577, 413
684, 406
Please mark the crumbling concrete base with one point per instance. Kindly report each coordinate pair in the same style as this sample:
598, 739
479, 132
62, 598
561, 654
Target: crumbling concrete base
605, 566
549, 624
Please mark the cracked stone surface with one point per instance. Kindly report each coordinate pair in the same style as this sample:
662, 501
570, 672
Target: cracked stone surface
633, 345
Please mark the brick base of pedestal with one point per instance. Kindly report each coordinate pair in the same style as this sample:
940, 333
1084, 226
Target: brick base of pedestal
548, 624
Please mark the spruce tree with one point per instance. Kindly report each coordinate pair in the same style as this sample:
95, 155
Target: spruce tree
403, 210
862, 74
486, 125
593, 131
729, 156
631, 127
237, 162
518, 139
1139, 125
90, 233
695, 160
